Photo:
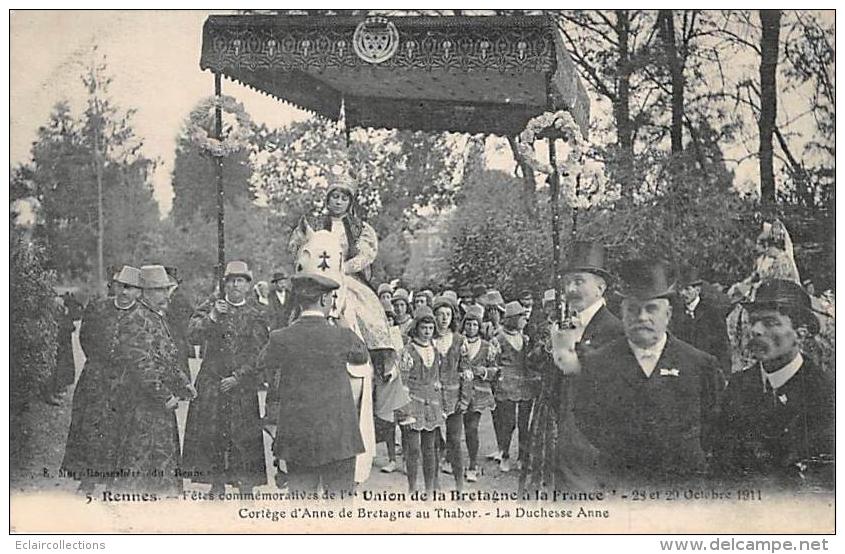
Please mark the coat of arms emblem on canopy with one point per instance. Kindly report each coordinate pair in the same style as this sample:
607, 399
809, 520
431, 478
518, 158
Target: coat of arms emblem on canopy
375, 40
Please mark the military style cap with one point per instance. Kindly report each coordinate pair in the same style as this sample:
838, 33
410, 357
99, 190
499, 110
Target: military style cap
129, 276
155, 277
237, 268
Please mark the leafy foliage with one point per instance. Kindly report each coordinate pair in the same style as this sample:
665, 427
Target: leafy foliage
33, 327
194, 179
61, 178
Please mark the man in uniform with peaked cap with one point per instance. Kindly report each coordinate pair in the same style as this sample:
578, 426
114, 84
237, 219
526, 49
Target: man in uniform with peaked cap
145, 447
318, 434
91, 422
223, 437
646, 401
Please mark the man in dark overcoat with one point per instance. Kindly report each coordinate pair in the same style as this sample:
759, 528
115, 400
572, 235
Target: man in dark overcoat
777, 420
179, 311
318, 434
279, 303
144, 450
699, 320
586, 279
647, 401
224, 442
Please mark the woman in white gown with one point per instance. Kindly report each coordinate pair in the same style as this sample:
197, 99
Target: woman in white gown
359, 242
358, 307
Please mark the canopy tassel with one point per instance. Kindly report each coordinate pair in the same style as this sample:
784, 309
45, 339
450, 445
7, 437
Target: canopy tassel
341, 121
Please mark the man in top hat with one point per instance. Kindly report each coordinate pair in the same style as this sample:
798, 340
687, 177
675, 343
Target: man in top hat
279, 303
585, 283
699, 321
87, 445
777, 419
145, 447
646, 401
318, 434
585, 279
223, 436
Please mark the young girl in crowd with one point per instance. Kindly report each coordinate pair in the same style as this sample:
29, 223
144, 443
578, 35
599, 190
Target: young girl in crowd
401, 316
480, 356
494, 307
456, 379
517, 387
422, 419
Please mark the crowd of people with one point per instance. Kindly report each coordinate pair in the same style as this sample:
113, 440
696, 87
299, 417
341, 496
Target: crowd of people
597, 399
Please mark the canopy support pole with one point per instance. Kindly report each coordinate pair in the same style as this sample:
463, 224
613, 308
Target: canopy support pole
218, 174
554, 189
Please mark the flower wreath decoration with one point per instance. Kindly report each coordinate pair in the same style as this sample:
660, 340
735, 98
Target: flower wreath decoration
564, 126
237, 138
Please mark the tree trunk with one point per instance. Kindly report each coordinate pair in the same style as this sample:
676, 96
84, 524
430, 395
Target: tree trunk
621, 107
529, 183
98, 171
769, 46
666, 24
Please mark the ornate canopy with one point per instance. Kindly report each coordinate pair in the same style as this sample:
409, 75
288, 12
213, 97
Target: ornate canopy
464, 74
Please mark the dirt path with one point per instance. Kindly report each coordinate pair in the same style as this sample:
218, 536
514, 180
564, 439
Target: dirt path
39, 451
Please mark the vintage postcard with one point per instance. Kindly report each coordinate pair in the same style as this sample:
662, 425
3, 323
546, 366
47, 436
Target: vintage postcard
422, 271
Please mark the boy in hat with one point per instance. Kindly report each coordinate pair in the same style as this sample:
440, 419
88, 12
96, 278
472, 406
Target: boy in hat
646, 401
87, 445
455, 381
318, 434
517, 387
464, 297
698, 321
423, 298
480, 357
145, 443
223, 437
777, 420
423, 417
492, 309
533, 318
278, 301
385, 292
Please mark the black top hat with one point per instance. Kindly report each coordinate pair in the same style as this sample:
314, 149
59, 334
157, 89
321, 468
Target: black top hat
689, 276
787, 297
279, 275
478, 290
647, 279
588, 257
